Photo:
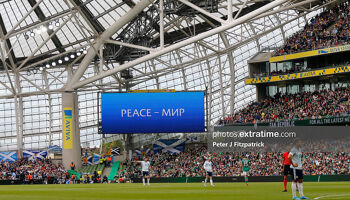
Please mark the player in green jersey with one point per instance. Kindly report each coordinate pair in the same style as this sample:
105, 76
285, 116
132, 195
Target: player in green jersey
245, 169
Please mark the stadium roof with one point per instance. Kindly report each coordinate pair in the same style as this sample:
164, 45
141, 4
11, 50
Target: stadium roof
51, 46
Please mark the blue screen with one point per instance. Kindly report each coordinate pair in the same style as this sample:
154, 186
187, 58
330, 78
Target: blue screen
173, 112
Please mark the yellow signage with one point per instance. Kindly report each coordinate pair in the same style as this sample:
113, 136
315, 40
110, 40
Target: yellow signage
300, 75
310, 53
68, 128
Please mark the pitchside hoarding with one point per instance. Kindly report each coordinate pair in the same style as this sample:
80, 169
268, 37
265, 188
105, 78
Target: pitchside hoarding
172, 112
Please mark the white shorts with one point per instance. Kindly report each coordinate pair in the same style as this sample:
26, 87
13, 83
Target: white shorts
245, 173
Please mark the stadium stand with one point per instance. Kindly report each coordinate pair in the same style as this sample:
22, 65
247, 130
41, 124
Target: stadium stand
305, 105
190, 162
38, 169
329, 28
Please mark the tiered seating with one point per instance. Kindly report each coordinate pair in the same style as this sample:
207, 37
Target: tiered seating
300, 106
91, 168
330, 28
190, 164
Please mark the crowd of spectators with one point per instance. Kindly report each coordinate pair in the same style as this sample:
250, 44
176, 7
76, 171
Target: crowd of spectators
44, 171
185, 164
329, 28
190, 164
28, 171
300, 106
95, 177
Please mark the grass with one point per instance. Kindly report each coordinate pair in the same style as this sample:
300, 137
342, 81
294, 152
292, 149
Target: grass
173, 191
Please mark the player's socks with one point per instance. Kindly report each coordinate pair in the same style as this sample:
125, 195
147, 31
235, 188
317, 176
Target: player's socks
246, 180
294, 189
205, 182
148, 181
300, 189
285, 185
143, 181
211, 182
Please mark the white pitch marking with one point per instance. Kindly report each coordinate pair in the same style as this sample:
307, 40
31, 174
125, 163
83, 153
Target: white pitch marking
342, 195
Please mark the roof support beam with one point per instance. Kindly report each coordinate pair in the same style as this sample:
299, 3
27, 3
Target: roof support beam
129, 45
88, 16
42, 17
8, 45
131, 14
37, 24
168, 49
24, 17
52, 34
108, 11
201, 10
226, 42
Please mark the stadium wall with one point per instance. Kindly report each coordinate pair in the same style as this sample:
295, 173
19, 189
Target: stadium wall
321, 178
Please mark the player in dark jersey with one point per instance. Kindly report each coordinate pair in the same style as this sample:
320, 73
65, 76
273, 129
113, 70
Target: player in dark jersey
286, 169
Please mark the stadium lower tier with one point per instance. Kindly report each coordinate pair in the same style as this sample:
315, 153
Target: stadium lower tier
184, 164
190, 164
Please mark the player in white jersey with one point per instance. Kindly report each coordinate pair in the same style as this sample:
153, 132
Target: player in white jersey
145, 165
209, 172
296, 170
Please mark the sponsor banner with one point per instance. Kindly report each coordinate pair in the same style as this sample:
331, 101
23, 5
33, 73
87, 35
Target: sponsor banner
310, 53
300, 75
8, 156
68, 128
279, 139
331, 121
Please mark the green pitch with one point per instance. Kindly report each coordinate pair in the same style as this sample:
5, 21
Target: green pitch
173, 191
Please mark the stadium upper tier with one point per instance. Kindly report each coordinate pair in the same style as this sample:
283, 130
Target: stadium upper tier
329, 28
325, 103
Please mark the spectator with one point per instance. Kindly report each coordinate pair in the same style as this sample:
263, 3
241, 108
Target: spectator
30, 170
329, 28
109, 160
300, 106
190, 162
72, 166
